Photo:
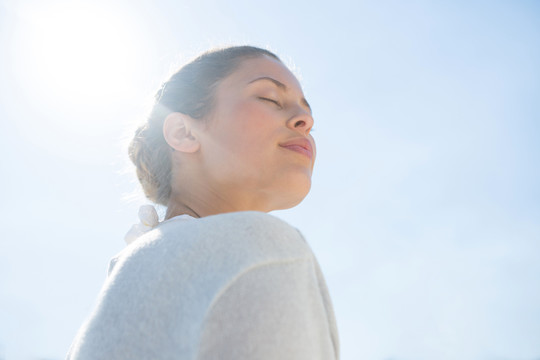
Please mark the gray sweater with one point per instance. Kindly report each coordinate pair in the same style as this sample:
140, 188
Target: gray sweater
242, 285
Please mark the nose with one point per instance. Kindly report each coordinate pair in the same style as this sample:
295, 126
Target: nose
302, 122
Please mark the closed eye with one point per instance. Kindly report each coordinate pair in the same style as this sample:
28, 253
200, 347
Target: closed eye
271, 100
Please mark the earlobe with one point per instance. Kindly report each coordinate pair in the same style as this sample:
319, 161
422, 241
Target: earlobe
177, 133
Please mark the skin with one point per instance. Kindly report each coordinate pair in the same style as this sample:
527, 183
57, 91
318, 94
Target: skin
234, 161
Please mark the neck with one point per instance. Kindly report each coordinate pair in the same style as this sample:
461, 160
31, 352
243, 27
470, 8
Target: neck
175, 209
198, 202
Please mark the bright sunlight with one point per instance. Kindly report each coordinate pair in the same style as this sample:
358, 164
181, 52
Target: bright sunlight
77, 52
79, 66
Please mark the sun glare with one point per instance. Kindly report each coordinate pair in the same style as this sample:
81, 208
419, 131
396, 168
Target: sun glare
78, 69
78, 52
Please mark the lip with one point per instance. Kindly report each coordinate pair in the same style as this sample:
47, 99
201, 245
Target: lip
300, 145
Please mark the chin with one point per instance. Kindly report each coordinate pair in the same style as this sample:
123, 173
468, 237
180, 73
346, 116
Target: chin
290, 199
286, 190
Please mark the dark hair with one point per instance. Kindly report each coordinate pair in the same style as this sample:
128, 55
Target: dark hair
190, 91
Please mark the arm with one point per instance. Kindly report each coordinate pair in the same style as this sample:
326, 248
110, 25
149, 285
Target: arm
271, 311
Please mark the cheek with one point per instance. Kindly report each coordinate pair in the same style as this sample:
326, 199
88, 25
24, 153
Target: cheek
248, 127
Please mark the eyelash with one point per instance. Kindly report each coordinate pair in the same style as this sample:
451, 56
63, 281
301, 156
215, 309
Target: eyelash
271, 100
278, 104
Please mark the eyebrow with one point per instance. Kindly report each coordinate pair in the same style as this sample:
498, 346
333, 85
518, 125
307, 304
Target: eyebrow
282, 86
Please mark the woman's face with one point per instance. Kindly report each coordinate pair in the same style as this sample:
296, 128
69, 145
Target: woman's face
257, 148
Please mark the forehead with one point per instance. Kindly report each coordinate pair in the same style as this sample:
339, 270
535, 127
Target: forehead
263, 66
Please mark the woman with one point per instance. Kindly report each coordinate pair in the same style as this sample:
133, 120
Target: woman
227, 141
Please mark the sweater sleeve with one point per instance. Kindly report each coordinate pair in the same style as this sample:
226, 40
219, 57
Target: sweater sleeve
270, 311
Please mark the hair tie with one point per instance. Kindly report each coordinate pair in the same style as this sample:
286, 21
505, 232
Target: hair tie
149, 219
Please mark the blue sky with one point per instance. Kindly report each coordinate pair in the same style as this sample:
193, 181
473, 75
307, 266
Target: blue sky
425, 206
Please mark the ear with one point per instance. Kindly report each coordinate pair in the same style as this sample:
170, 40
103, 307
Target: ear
177, 133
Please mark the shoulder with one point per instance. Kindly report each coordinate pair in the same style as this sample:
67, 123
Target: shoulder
238, 223
166, 282
248, 232
230, 241
193, 262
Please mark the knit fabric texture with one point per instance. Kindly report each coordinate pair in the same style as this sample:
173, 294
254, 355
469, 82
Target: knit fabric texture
242, 285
